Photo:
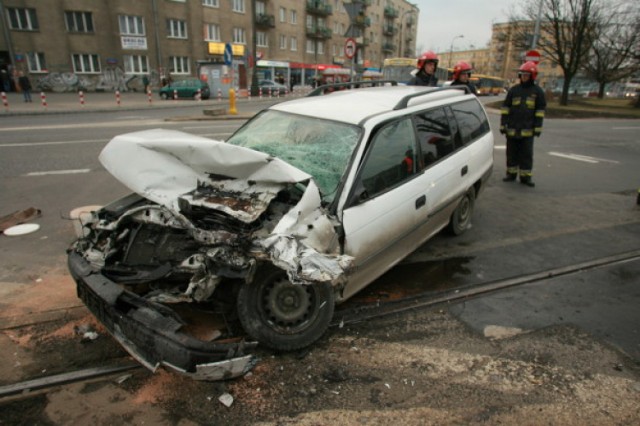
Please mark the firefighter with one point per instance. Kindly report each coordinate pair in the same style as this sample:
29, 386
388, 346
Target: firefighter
461, 76
426, 75
521, 119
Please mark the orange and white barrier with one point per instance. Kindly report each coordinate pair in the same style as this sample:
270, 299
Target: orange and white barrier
81, 97
118, 97
43, 99
5, 101
149, 97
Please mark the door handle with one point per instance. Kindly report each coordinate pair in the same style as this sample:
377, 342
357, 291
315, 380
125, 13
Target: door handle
464, 170
421, 201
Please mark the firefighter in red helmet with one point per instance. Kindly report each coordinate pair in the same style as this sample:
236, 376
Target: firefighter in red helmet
427, 66
461, 76
521, 119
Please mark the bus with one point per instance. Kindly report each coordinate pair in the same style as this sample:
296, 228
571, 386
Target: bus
487, 84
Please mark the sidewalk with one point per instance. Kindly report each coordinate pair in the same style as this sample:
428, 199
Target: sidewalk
70, 102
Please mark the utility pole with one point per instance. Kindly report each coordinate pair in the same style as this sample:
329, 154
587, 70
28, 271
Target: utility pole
254, 57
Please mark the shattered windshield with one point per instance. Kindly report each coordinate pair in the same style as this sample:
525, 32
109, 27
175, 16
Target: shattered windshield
318, 147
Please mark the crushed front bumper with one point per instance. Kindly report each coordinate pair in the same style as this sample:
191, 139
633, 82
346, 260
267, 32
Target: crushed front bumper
150, 332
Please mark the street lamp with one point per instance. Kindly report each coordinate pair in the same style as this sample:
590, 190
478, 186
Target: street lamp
451, 48
401, 32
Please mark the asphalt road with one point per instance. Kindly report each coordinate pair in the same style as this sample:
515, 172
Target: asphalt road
582, 208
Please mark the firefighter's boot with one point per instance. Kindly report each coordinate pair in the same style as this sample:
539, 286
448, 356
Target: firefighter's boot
510, 177
526, 180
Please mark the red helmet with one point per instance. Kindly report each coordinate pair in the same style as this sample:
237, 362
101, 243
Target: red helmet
427, 56
529, 67
461, 67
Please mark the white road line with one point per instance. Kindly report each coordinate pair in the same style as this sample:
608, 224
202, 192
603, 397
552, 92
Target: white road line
11, 145
59, 172
499, 147
584, 158
626, 128
92, 125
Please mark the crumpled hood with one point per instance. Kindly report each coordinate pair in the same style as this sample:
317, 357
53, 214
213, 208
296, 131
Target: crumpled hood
164, 165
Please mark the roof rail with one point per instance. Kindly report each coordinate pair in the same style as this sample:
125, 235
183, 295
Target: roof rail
404, 102
328, 88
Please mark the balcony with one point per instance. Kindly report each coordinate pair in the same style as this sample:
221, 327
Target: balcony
265, 21
363, 2
389, 30
390, 12
362, 21
321, 33
318, 7
362, 41
410, 21
388, 48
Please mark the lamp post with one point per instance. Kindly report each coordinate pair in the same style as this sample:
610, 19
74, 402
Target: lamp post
401, 32
451, 48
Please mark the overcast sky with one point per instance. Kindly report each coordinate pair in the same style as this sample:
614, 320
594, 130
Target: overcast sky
442, 20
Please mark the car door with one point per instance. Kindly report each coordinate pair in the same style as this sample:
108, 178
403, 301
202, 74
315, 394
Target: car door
379, 223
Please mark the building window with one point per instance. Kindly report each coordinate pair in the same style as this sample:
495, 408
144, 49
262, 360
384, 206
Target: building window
131, 25
79, 22
239, 36
36, 62
283, 14
320, 48
261, 39
212, 32
311, 46
135, 64
23, 19
294, 17
85, 63
260, 8
176, 28
283, 42
294, 44
211, 3
238, 6
180, 64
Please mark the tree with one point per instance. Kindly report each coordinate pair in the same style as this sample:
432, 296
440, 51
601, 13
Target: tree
614, 54
567, 32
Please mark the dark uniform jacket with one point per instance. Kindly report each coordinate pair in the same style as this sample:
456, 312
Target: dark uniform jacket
471, 86
523, 111
423, 79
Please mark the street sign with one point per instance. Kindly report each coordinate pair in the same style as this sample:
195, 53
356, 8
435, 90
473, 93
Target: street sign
533, 56
350, 48
228, 54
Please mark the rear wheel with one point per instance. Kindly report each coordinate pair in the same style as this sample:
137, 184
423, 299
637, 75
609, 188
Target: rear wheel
164, 96
461, 217
281, 315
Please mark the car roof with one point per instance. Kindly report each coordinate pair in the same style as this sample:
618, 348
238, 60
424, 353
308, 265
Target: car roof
352, 106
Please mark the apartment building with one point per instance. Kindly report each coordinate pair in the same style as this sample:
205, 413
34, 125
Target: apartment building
68, 45
502, 58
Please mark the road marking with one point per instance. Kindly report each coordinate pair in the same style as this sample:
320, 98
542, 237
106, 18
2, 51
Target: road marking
625, 128
59, 172
499, 147
141, 123
11, 145
586, 159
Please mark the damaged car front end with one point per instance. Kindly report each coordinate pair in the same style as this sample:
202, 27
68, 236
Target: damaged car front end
212, 233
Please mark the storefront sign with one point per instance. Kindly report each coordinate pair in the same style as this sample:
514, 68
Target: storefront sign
135, 43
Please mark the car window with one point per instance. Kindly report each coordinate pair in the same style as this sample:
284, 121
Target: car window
321, 148
471, 119
391, 158
434, 136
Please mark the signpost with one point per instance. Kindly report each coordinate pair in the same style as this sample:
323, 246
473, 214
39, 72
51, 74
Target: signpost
350, 51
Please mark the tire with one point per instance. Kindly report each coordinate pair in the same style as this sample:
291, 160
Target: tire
281, 315
461, 217
164, 96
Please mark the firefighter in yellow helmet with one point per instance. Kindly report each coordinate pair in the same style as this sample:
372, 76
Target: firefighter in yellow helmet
521, 119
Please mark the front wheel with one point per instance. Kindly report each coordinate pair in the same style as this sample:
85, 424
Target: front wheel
281, 315
461, 217
164, 96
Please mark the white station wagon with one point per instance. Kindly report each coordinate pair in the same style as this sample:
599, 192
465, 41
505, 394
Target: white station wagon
306, 204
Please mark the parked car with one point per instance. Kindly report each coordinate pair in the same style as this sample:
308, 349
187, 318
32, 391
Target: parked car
271, 87
185, 89
306, 204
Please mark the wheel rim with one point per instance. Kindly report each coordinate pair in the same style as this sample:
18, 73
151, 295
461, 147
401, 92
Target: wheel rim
288, 307
464, 211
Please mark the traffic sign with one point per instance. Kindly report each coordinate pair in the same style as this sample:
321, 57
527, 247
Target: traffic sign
228, 54
350, 48
533, 56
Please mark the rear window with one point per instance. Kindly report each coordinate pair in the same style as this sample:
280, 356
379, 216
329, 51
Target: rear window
471, 121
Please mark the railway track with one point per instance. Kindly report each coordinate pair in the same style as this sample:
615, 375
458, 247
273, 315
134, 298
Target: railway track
351, 315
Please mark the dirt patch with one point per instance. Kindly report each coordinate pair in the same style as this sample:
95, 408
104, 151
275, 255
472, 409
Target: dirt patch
424, 367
